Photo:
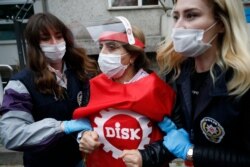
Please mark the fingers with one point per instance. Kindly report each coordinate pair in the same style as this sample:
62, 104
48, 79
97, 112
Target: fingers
132, 158
94, 135
167, 125
89, 142
184, 132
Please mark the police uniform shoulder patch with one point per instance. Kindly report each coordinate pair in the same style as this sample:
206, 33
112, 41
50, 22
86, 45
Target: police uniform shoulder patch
79, 98
212, 129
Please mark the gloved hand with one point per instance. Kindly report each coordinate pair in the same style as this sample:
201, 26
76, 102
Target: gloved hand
177, 142
76, 125
167, 125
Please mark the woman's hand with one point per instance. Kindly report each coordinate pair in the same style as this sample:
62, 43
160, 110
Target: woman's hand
132, 158
89, 142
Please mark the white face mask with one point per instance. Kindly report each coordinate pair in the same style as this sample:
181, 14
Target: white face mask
188, 42
54, 52
110, 65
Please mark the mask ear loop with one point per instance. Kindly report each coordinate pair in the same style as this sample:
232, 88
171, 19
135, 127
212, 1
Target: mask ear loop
211, 26
214, 35
212, 38
131, 39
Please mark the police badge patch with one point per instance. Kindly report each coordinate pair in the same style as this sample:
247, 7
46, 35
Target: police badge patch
212, 129
79, 98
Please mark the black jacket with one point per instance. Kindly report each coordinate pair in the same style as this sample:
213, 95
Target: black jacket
219, 128
65, 150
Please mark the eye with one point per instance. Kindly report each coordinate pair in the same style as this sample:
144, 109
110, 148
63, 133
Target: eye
59, 36
191, 16
100, 46
45, 37
111, 46
175, 17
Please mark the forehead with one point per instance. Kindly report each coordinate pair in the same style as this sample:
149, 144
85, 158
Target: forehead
110, 42
202, 5
49, 31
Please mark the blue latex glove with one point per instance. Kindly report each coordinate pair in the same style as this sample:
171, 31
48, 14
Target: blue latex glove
167, 125
76, 125
177, 142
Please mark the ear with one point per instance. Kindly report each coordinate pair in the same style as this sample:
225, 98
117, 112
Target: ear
221, 27
132, 58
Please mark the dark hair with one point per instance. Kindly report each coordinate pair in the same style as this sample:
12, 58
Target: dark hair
75, 57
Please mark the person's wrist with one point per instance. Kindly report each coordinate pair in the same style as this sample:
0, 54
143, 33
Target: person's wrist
62, 126
65, 127
190, 153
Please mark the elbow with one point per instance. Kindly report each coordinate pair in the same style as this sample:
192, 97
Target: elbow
8, 142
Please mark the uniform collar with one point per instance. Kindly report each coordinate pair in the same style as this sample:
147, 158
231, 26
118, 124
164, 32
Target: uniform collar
218, 88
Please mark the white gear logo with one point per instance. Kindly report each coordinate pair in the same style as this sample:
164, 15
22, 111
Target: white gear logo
106, 115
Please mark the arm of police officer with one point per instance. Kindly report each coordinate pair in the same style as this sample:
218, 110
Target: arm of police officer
18, 129
154, 154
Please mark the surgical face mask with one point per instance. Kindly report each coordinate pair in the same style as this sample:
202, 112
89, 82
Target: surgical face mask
188, 42
54, 52
110, 65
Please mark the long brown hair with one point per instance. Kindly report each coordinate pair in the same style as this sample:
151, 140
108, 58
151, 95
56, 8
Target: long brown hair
75, 57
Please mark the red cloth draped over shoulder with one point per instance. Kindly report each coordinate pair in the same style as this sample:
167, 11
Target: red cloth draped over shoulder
149, 96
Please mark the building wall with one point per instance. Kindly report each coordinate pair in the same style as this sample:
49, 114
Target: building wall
79, 13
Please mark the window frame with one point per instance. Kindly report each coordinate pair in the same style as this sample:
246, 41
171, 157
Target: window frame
11, 2
10, 22
139, 6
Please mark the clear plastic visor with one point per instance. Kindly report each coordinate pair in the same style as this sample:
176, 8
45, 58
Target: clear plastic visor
115, 29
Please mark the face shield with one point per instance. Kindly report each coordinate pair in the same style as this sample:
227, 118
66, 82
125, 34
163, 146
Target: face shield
115, 29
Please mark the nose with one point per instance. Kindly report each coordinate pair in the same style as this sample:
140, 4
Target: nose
53, 40
104, 49
180, 23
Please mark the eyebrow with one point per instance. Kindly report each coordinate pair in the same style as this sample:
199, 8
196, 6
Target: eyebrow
47, 33
110, 43
187, 10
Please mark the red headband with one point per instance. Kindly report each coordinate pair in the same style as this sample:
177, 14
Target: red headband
119, 36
